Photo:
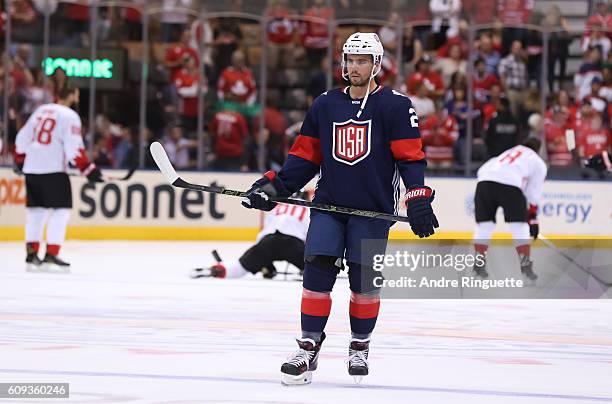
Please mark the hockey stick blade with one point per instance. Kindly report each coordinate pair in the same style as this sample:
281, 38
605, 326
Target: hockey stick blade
570, 139
165, 166
163, 162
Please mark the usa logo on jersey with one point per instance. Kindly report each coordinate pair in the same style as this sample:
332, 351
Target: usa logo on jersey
351, 141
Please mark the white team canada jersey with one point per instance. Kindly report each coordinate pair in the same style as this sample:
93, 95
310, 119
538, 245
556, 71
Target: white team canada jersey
50, 139
519, 166
291, 220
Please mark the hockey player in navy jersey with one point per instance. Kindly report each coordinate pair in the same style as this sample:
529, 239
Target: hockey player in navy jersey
360, 140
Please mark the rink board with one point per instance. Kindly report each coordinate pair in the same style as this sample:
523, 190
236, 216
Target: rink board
146, 207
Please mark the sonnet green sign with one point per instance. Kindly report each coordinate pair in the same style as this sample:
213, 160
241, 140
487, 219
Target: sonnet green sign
108, 67
100, 69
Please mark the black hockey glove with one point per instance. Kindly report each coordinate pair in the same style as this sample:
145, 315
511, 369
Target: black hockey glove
268, 186
600, 162
420, 214
93, 173
18, 168
532, 219
18, 161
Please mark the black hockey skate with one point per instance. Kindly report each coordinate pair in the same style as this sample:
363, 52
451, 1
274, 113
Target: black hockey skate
358, 358
53, 262
216, 271
480, 269
299, 366
527, 268
33, 263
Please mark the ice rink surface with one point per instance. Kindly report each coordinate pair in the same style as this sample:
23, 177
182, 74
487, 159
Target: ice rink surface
129, 325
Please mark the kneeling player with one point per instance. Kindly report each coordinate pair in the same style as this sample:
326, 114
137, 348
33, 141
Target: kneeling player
511, 180
281, 239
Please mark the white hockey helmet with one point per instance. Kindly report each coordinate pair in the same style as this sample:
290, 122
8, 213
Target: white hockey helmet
363, 43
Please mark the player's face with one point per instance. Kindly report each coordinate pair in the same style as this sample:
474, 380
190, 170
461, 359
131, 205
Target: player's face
359, 69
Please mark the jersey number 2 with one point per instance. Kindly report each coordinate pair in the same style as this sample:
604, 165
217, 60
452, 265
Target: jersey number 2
44, 130
414, 119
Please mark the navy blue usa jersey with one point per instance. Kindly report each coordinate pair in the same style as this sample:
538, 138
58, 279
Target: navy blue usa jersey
359, 161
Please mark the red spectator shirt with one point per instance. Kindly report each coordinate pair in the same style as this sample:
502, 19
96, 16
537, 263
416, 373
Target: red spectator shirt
592, 141
274, 121
238, 82
313, 34
77, 12
556, 145
280, 28
514, 11
388, 70
229, 129
480, 12
428, 125
178, 52
572, 118
488, 111
444, 50
131, 14
482, 87
604, 21
187, 87
433, 81
439, 138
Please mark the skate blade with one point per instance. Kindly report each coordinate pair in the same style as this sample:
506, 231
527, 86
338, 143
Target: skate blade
33, 268
291, 380
530, 281
54, 268
358, 379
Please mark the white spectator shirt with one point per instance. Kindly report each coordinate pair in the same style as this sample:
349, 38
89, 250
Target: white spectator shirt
172, 11
519, 166
582, 82
445, 8
602, 43
178, 153
423, 106
291, 220
50, 139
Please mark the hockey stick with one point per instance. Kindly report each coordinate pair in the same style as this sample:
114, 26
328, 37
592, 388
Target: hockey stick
570, 139
162, 161
216, 256
126, 177
553, 247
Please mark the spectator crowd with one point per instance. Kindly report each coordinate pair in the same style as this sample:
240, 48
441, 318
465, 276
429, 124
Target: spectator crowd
213, 67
